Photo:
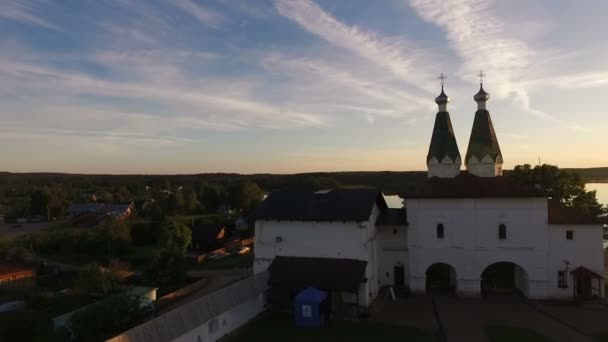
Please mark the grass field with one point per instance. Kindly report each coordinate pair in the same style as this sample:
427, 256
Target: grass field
510, 334
282, 328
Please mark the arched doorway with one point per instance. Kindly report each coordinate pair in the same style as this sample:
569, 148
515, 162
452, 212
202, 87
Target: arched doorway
441, 278
504, 278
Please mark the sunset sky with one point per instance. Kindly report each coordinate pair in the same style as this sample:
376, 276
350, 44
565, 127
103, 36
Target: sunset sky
191, 86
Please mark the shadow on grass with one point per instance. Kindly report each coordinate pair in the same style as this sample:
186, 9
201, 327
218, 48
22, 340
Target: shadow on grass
509, 334
270, 328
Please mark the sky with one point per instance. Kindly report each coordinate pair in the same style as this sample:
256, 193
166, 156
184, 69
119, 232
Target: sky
287, 86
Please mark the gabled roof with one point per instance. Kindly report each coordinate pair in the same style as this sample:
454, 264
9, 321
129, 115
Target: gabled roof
393, 217
584, 270
466, 185
336, 205
321, 273
560, 214
483, 139
443, 141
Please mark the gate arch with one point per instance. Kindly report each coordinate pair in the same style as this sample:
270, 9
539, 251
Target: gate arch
441, 277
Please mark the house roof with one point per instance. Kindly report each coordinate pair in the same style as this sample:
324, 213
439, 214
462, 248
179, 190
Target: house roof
443, 141
206, 232
335, 205
560, 214
393, 217
483, 139
466, 185
11, 271
321, 273
585, 270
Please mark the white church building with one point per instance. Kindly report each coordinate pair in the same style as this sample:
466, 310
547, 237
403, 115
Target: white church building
470, 232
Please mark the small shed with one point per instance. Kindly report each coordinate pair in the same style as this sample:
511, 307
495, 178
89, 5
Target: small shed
310, 307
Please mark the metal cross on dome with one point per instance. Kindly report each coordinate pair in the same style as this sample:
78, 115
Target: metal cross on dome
481, 75
442, 77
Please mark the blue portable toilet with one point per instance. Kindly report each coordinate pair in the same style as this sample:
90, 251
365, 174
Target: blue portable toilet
309, 307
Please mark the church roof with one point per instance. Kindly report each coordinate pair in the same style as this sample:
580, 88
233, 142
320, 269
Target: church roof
466, 185
335, 205
560, 214
443, 141
483, 139
322, 273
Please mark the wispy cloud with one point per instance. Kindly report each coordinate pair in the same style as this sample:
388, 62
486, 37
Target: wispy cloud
22, 11
400, 57
203, 14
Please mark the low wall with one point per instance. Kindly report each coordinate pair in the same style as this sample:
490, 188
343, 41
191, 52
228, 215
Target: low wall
167, 299
208, 318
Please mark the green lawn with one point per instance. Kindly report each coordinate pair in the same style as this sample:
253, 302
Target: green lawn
601, 337
282, 328
509, 334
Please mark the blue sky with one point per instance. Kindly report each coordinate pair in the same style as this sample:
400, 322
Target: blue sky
283, 86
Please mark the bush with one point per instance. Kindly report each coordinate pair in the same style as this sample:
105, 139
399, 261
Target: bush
98, 280
143, 234
108, 318
25, 325
167, 270
175, 237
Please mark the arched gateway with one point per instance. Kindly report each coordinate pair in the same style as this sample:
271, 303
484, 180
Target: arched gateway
441, 277
504, 277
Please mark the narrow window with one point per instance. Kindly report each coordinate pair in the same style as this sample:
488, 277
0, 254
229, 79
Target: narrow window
440, 232
394, 231
562, 279
569, 235
502, 232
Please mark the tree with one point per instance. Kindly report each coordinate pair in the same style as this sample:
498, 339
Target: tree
99, 280
565, 186
167, 270
193, 206
246, 196
109, 318
212, 196
175, 236
116, 235
39, 203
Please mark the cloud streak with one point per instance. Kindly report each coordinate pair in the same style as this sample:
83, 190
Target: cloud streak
203, 14
23, 12
400, 57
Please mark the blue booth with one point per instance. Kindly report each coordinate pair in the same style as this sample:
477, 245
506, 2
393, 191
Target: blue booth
310, 307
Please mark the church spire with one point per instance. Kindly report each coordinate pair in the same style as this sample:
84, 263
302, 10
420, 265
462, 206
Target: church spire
483, 156
443, 159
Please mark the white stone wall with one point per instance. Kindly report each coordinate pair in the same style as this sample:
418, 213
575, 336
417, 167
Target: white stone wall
487, 167
448, 168
471, 239
585, 249
342, 240
225, 322
392, 241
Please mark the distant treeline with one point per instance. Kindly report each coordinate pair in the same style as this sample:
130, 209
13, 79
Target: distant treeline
390, 182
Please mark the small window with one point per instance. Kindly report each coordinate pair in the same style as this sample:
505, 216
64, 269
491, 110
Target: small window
440, 231
569, 235
562, 279
502, 232
214, 326
394, 231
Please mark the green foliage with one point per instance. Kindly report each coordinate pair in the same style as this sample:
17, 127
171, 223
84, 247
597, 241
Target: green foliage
144, 233
212, 196
565, 186
175, 236
116, 235
246, 196
26, 326
167, 270
100, 281
108, 318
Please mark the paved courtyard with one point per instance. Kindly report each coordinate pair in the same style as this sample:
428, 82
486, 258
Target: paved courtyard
466, 319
